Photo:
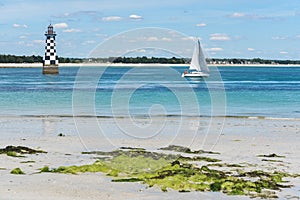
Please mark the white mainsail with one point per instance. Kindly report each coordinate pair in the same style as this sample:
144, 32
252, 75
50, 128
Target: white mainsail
198, 62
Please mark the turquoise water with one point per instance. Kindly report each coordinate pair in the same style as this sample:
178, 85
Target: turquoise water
230, 91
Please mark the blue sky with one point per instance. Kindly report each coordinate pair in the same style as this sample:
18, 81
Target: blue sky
228, 29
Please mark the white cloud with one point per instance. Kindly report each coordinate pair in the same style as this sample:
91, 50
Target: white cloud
250, 49
283, 52
23, 37
140, 50
38, 41
166, 39
111, 18
219, 37
279, 38
136, 17
66, 14
214, 49
237, 15
151, 39
189, 38
201, 24
61, 25
88, 42
72, 30
20, 26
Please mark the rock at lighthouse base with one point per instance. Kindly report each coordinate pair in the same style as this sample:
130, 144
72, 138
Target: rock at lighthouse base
50, 70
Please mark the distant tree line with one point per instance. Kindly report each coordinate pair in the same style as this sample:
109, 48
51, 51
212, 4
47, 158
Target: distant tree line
251, 61
70, 60
34, 59
144, 59
20, 59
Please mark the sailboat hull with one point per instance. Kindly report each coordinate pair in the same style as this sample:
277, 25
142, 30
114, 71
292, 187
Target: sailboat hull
195, 75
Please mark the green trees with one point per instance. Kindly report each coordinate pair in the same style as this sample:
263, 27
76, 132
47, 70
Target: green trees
38, 59
145, 59
20, 59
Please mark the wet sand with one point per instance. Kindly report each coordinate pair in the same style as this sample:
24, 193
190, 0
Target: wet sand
238, 140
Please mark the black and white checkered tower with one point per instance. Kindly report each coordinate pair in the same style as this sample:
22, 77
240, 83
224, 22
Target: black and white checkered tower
50, 64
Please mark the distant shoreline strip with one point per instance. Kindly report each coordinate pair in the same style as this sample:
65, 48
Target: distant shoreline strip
39, 65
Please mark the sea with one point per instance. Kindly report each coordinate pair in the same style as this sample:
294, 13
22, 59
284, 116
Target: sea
125, 91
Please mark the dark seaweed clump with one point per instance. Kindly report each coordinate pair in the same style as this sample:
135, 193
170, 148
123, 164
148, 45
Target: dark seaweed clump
17, 151
272, 155
182, 149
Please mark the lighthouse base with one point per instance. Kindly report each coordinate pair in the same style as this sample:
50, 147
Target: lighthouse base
50, 69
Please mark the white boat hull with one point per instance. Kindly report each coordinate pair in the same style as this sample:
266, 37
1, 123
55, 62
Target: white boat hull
195, 75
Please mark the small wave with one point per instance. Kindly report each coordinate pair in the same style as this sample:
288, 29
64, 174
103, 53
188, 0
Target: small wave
142, 116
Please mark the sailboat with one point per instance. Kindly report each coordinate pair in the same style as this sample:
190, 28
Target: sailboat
198, 67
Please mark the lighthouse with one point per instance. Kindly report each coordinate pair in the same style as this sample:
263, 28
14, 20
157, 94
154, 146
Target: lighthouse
50, 63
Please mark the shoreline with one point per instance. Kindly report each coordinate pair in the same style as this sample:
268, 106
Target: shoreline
39, 65
44, 116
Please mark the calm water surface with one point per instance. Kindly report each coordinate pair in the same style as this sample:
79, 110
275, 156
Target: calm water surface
247, 91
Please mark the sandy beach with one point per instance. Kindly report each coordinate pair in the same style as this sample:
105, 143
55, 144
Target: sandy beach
238, 140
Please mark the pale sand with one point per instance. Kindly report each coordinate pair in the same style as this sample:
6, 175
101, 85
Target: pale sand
40, 65
240, 141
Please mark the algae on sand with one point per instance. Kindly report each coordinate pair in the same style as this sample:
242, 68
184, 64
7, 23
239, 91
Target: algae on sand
178, 173
182, 149
17, 171
15, 150
272, 155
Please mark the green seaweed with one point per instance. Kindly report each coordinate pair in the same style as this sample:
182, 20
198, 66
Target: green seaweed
179, 173
17, 171
273, 155
45, 169
127, 180
133, 148
19, 150
224, 165
14, 154
182, 149
96, 167
198, 158
270, 160
135, 153
28, 161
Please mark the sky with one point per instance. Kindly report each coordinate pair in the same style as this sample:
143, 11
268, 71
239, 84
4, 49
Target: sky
266, 29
